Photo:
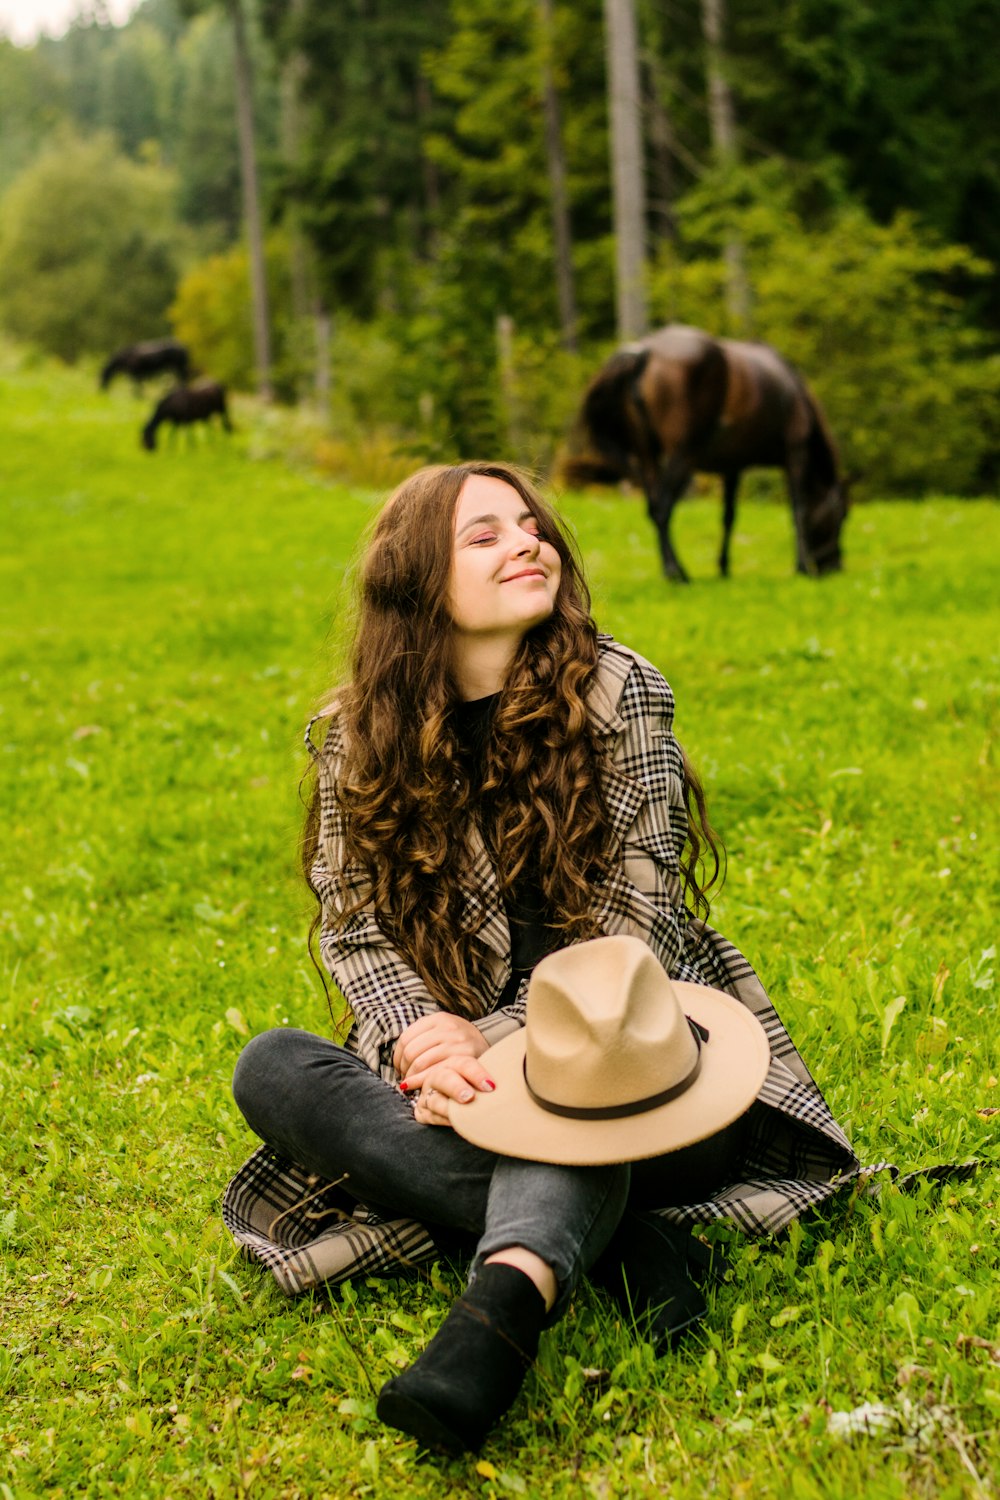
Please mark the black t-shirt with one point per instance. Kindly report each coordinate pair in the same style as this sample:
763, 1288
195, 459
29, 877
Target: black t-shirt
530, 936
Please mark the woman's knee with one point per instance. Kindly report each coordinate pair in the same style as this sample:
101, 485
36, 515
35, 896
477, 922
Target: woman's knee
267, 1067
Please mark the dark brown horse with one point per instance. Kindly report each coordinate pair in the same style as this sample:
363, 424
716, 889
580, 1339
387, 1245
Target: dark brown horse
186, 404
681, 402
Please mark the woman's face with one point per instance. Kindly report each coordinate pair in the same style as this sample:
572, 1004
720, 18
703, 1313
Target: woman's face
504, 577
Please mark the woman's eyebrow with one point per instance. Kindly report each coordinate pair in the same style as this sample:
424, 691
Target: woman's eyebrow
492, 520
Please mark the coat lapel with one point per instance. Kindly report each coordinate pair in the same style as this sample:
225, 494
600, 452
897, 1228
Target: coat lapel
481, 890
623, 795
605, 692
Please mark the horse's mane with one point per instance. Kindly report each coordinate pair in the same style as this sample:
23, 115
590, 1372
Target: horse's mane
823, 459
824, 463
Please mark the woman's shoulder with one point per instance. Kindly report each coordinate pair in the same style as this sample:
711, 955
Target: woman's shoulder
627, 680
614, 656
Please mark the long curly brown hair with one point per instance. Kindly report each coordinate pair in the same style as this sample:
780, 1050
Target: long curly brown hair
401, 786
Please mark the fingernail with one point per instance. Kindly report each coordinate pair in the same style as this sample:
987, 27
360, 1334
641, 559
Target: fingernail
465, 1096
404, 1087
488, 1085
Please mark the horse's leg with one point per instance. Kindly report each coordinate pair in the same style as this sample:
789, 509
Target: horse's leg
662, 494
795, 474
731, 484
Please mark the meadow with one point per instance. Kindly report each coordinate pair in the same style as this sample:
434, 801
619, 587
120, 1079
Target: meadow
167, 622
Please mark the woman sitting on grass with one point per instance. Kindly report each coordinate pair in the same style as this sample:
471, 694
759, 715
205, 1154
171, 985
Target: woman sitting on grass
500, 781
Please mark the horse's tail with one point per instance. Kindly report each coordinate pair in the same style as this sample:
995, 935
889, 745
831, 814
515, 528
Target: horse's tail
110, 369
576, 471
603, 421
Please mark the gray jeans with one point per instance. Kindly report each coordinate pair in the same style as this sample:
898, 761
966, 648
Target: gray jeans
322, 1107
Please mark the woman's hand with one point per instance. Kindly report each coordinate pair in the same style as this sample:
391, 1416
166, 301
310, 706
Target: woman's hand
434, 1039
456, 1078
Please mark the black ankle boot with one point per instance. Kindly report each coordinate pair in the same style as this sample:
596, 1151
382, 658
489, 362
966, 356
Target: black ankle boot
473, 1367
648, 1269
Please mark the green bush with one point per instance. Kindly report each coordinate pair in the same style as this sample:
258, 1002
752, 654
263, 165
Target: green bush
429, 374
212, 314
88, 249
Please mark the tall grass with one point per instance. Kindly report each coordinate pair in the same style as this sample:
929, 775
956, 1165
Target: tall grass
165, 629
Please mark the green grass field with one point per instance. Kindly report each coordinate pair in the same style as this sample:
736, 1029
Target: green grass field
165, 624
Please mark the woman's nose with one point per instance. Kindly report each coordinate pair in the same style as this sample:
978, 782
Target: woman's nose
526, 544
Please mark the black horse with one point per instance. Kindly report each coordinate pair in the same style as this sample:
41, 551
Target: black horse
681, 402
143, 360
186, 404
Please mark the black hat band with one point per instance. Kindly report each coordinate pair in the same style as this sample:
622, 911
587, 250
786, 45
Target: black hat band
638, 1106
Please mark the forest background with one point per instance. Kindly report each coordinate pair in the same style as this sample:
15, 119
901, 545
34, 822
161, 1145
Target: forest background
426, 295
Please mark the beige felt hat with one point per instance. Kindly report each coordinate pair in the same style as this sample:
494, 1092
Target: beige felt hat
616, 1062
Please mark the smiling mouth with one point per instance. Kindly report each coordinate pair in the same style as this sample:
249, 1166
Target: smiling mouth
527, 573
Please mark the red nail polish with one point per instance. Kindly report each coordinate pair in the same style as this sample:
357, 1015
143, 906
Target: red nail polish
404, 1087
489, 1084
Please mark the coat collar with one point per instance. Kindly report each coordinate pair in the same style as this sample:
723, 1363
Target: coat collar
606, 688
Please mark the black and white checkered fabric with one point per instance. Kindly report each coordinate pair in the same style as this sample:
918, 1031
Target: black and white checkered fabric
307, 1232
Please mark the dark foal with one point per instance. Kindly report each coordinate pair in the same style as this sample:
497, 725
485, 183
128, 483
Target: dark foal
186, 404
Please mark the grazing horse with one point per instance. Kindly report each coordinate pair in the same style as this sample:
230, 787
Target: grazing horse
142, 360
680, 402
186, 404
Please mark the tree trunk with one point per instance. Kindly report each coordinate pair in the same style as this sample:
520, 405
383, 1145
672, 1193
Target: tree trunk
509, 400
323, 325
722, 120
561, 231
251, 200
622, 52
291, 142
431, 180
663, 152
722, 116
307, 306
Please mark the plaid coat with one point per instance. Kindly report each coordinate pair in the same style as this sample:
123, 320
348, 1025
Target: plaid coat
306, 1232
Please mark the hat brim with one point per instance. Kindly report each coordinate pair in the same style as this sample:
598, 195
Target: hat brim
734, 1064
